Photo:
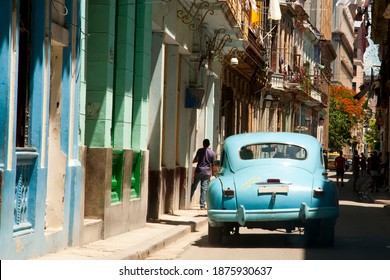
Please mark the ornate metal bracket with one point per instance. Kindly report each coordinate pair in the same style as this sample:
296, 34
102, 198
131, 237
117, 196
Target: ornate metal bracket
193, 13
215, 44
234, 52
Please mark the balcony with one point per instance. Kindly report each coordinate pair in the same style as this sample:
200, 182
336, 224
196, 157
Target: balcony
277, 81
310, 86
296, 80
227, 15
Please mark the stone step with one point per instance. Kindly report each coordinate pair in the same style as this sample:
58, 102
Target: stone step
92, 230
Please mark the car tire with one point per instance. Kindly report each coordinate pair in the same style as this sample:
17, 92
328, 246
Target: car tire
312, 232
215, 235
328, 232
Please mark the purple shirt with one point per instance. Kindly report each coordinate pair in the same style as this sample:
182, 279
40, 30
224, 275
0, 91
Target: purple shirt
205, 158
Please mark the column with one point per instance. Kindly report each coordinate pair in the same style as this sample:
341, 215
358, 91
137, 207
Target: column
124, 74
100, 69
170, 107
143, 46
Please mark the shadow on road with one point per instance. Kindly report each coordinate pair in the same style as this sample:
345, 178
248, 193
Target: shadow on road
362, 231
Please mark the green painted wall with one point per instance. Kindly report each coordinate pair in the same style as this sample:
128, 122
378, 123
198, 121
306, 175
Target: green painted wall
119, 46
124, 73
100, 72
143, 47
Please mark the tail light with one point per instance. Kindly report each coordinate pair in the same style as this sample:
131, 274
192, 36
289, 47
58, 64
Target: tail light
228, 192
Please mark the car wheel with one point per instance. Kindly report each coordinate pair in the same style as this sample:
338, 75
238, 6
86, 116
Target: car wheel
328, 232
215, 235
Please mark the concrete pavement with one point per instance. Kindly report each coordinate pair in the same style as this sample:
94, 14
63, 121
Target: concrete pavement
140, 243
137, 244
346, 192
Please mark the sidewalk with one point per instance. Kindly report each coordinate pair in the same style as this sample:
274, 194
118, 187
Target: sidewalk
140, 243
363, 182
137, 244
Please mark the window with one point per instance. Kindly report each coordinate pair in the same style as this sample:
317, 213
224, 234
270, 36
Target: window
272, 150
24, 60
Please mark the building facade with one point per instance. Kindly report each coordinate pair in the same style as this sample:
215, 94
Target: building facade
380, 33
113, 127
343, 37
40, 197
190, 42
100, 132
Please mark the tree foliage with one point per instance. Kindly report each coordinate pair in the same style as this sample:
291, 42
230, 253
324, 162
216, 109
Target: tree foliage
347, 104
372, 134
344, 113
339, 127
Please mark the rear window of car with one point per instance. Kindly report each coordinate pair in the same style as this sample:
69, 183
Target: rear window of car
272, 150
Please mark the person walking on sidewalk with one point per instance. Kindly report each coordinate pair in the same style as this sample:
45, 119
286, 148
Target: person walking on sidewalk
339, 163
205, 159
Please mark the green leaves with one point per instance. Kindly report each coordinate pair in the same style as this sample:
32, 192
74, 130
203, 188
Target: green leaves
345, 112
372, 134
339, 127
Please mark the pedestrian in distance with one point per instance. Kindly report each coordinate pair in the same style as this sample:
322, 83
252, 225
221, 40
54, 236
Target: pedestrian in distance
339, 163
355, 169
374, 170
205, 159
363, 164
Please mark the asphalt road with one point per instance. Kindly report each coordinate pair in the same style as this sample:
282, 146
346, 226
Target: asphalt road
362, 233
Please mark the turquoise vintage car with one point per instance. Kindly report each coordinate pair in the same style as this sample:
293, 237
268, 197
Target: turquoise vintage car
273, 180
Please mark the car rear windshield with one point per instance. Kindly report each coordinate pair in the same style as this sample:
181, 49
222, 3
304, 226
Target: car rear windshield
272, 150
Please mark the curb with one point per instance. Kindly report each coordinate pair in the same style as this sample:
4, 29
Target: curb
137, 244
142, 251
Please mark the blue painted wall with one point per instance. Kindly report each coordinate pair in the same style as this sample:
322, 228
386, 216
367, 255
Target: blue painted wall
5, 41
6, 224
37, 242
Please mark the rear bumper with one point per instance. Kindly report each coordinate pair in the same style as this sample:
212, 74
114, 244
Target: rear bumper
241, 215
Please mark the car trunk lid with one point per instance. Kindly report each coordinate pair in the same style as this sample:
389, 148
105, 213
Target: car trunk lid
273, 187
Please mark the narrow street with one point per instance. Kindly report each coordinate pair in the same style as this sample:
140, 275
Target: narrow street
362, 233
105, 104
